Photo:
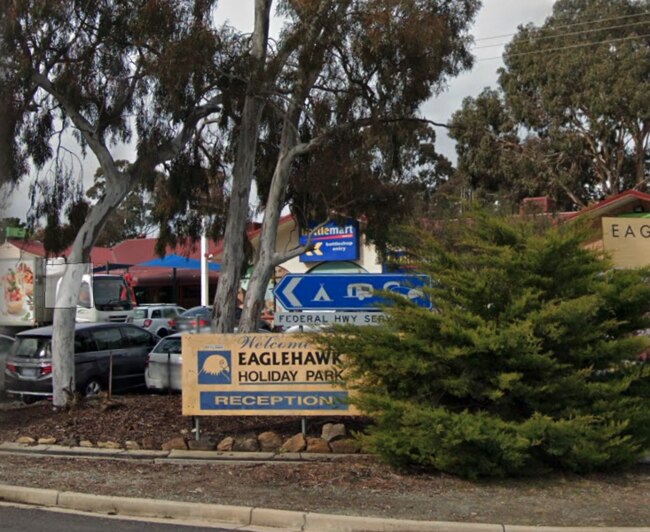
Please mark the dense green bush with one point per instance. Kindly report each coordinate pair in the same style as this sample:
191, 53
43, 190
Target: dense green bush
529, 362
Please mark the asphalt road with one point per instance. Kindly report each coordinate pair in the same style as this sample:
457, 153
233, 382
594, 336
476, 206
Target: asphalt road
22, 519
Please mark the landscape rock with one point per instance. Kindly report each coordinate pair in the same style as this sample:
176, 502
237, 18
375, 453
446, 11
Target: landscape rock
333, 431
26, 439
295, 444
175, 444
47, 441
147, 443
246, 444
317, 445
131, 445
86, 443
269, 441
204, 444
347, 446
226, 445
108, 445
69, 442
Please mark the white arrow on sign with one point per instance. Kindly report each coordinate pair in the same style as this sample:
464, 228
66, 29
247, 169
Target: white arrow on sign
288, 292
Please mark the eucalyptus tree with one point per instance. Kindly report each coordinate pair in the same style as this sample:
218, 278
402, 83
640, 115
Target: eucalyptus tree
344, 77
498, 159
571, 117
109, 72
583, 78
132, 218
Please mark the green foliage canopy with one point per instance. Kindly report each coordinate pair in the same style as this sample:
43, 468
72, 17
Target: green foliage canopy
572, 117
526, 364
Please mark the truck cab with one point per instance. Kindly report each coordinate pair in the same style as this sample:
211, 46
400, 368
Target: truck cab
104, 298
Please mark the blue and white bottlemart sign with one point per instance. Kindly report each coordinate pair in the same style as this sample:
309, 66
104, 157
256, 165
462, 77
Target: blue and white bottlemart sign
261, 374
348, 291
333, 242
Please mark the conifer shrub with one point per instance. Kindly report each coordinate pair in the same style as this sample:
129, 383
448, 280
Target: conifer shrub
528, 363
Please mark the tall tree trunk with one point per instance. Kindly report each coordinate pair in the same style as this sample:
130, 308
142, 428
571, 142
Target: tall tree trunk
640, 155
68, 293
225, 299
266, 258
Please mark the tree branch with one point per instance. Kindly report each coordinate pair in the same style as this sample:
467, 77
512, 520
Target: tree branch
279, 258
89, 132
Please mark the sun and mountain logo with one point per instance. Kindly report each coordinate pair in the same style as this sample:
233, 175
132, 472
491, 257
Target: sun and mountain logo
214, 367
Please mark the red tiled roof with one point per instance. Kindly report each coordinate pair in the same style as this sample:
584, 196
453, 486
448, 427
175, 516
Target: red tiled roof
98, 255
137, 250
612, 203
101, 256
29, 246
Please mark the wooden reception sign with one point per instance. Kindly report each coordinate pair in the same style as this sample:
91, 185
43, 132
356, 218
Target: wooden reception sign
261, 374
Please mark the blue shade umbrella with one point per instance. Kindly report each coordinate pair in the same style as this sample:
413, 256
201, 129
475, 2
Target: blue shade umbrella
178, 262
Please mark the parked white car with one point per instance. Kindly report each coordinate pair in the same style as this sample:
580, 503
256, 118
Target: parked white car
158, 318
164, 365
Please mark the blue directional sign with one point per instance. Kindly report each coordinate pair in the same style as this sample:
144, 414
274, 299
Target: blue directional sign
347, 292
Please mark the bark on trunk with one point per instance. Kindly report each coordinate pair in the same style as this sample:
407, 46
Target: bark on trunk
63, 377
640, 142
266, 258
225, 299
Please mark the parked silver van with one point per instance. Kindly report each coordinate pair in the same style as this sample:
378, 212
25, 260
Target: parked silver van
28, 371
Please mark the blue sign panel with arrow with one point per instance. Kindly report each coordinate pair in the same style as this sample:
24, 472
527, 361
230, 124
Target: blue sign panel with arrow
347, 292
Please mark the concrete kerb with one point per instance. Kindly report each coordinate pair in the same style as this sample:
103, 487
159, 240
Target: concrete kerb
238, 515
37, 496
344, 523
259, 517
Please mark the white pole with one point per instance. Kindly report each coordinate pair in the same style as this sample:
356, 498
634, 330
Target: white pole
204, 269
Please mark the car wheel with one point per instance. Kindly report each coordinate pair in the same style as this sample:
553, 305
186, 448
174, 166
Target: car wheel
162, 333
92, 387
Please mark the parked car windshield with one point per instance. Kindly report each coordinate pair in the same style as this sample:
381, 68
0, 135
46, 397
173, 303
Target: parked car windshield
197, 311
168, 345
32, 347
109, 292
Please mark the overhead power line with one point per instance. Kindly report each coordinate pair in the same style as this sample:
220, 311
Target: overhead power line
568, 47
570, 34
592, 21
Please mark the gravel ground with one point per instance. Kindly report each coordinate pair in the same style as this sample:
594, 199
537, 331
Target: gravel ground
356, 486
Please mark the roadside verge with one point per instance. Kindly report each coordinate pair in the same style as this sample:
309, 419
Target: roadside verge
245, 516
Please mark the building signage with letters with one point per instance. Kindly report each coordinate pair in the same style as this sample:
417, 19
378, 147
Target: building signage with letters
288, 319
261, 374
333, 242
627, 240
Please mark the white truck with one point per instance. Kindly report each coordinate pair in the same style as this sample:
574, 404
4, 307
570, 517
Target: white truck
29, 287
